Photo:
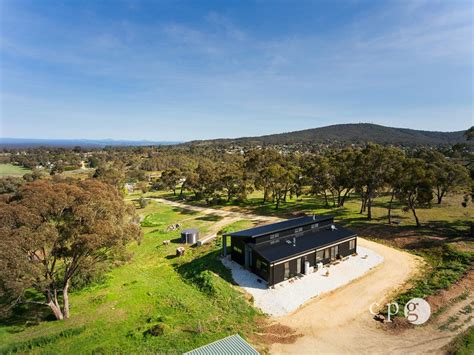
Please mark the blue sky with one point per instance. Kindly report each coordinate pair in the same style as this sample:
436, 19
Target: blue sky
182, 70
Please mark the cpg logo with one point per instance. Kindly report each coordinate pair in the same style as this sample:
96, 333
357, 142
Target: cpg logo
417, 311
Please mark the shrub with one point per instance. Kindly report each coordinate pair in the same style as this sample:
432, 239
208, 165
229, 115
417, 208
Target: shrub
143, 202
205, 282
155, 330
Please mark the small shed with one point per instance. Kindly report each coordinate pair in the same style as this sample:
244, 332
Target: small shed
190, 236
232, 345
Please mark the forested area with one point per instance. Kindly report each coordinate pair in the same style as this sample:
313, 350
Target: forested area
216, 174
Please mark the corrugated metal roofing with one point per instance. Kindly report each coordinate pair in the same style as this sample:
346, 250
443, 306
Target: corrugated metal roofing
232, 345
308, 241
280, 226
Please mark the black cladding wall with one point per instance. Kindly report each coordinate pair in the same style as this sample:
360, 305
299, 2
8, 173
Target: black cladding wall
277, 272
238, 250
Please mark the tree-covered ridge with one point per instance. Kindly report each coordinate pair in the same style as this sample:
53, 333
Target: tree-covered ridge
355, 133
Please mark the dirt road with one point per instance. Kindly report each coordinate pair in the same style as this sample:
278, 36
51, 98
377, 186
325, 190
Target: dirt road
216, 212
340, 322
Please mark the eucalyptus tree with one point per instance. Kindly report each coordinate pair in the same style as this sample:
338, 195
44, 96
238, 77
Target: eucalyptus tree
51, 232
318, 175
342, 172
170, 179
257, 165
393, 176
204, 181
233, 180
415, 186
373, 166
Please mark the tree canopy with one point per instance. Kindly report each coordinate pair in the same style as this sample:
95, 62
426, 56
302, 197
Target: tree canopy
51, 231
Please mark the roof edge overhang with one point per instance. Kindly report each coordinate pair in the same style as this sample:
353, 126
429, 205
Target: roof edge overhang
327, 217
308, 250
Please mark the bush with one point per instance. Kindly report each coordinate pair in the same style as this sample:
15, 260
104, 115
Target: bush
205, 282
143, 202
155, 330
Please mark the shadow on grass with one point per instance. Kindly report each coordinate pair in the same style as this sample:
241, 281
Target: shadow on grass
176, 240
210, 218
205, 262
184, 211
429, 234
27, 314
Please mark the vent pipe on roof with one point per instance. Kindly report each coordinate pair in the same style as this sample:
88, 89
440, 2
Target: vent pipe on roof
314, 217
294, 241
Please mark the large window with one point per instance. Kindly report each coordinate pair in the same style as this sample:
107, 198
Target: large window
319, 256
287, 270
326, 253
334, 251
299, 230
261, 265
314, 225
352, 244
273, 236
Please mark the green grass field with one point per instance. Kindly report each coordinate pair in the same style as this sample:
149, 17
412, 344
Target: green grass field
12, 170
190, 299
448, 219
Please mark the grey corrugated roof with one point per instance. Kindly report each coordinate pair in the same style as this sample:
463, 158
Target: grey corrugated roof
280, 226
232, 345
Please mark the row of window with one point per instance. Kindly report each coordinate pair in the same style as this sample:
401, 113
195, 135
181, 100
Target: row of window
331, 253
297, 230
328, 253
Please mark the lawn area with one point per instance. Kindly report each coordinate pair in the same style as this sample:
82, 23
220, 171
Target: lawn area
448, 219
12, 170
154, 303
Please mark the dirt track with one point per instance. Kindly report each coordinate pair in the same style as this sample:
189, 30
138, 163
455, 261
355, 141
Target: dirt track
340, 322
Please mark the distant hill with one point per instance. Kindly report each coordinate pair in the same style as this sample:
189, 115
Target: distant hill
352, 133
68, 143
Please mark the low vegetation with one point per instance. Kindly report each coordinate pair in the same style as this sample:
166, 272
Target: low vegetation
447, 265
462, 344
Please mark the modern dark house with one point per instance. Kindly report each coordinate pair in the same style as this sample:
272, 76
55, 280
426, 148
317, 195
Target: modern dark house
279, 251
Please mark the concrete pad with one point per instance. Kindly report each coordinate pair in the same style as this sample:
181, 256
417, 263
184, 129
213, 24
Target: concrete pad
288, 296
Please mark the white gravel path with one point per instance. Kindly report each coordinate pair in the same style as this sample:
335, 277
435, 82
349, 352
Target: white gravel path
289, 295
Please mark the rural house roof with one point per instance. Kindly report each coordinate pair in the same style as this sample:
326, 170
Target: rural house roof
310, 240
280, 226
232, 345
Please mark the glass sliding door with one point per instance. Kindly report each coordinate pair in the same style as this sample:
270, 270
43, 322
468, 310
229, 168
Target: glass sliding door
298, 265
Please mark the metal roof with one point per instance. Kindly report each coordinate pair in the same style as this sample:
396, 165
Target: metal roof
232, 345
190, 231
308, 241
280, 226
